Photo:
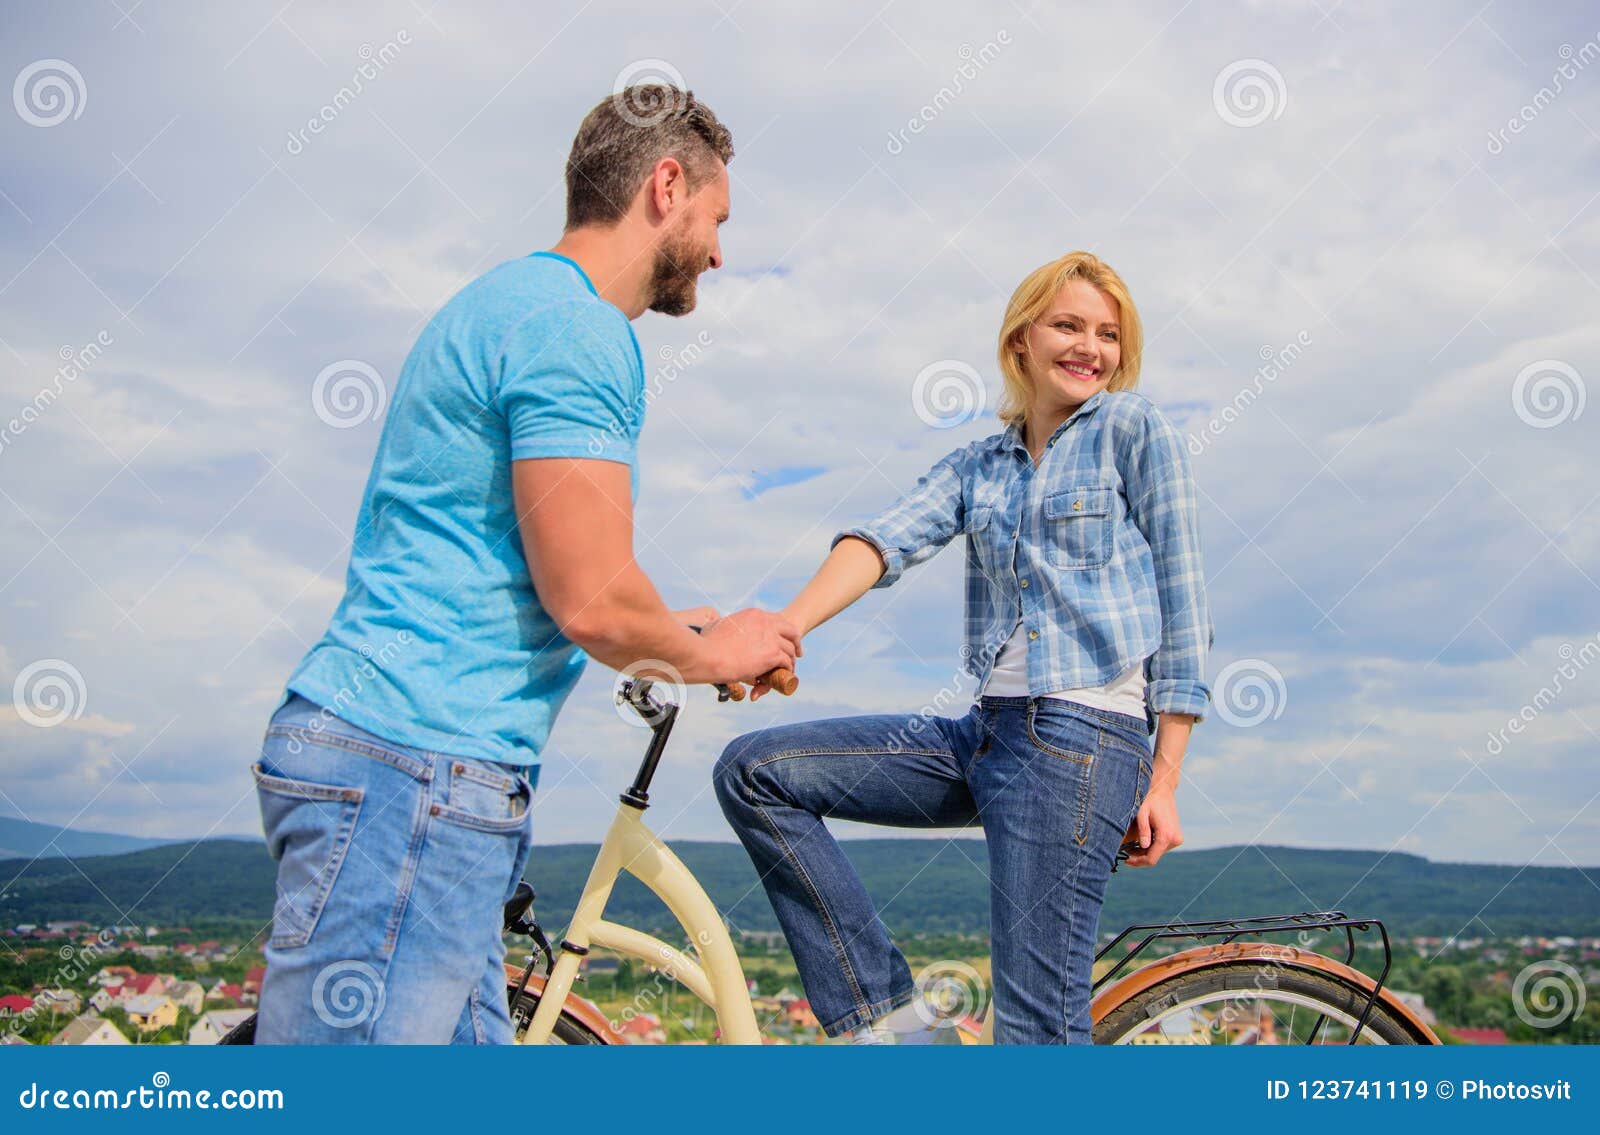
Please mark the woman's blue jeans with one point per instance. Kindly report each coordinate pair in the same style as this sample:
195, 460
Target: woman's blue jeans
1054, 785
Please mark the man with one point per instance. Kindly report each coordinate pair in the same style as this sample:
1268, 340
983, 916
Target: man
493, 552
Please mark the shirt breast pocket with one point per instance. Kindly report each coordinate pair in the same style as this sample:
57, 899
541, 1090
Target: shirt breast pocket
1079, 527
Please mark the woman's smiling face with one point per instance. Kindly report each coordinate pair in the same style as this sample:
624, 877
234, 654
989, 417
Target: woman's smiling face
1074, 348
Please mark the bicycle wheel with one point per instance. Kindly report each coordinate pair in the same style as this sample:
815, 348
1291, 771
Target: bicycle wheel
568, 1030
1251, 1002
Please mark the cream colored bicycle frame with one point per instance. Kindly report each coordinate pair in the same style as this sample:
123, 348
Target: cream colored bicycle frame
717, 978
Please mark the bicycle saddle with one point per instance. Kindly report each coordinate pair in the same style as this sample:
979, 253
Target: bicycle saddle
519, 904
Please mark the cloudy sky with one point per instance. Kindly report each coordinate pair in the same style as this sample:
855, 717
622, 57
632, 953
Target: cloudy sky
1364, 294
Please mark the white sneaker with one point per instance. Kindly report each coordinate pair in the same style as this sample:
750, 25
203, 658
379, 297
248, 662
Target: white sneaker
915, 1022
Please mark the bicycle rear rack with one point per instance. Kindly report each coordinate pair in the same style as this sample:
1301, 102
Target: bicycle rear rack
1231, 929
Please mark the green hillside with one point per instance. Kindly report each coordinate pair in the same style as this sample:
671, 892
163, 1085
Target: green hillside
922, 886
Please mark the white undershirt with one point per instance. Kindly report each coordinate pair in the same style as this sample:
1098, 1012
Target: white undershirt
1009, 679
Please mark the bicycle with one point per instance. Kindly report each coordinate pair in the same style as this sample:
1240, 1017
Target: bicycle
1234, 990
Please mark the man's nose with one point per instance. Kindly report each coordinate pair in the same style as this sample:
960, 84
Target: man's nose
716, 255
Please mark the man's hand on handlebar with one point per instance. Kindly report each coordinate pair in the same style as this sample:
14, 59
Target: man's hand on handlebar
752, 643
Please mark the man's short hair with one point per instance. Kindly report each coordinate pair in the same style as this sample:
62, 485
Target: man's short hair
622, 139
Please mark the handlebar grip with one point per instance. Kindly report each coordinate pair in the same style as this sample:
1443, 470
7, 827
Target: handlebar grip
783, 680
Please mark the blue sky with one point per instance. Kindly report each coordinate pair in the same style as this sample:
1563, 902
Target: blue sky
1401, 529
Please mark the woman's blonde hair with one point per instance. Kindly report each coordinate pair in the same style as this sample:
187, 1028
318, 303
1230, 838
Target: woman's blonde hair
1033, 298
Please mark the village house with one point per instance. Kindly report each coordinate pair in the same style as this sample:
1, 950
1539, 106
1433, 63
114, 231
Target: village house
14, 1005
105, 998
63, 1001
89, 1029
643, 1028
188, 995
226, 991
797, 1014
150, 1011
215, 1025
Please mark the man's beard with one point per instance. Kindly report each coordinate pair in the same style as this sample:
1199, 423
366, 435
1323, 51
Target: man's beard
674, 277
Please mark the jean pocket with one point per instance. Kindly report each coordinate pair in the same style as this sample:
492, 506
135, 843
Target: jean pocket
309, 828
1071, 747
485, 796
1062, 733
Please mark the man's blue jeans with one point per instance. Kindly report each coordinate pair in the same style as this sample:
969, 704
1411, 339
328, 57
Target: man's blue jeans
1054, 785
393, 868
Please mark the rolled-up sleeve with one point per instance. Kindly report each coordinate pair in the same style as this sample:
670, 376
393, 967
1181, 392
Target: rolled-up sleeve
1163, 502
919, 523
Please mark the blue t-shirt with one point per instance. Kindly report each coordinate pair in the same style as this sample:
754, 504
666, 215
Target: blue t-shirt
440, 642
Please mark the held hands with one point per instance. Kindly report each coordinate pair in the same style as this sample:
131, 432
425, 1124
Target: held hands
1155, 830
752, 643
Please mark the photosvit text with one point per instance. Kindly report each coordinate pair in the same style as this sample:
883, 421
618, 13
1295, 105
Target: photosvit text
1417, 1090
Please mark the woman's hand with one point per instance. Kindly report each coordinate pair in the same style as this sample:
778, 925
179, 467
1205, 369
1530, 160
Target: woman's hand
1155, 830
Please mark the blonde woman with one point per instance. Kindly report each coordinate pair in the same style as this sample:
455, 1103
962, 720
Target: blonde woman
1086, 627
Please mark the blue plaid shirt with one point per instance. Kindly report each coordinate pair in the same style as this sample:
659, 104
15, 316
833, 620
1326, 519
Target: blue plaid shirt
1096, 551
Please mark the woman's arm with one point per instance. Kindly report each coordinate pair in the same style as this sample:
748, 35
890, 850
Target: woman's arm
1164, 503
1156, 830
845, 576
849, 572
876, 554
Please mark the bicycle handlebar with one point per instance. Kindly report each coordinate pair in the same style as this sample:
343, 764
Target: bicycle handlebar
781, 679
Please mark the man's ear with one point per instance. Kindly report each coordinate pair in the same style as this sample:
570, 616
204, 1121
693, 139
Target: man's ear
669, 186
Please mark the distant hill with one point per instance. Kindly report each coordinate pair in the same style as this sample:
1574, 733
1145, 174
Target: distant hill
25, 839
927, 886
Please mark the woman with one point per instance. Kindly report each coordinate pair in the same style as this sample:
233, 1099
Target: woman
1086, 628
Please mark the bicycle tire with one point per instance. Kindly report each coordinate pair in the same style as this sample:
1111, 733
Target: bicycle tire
1240, 977
568, 1030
